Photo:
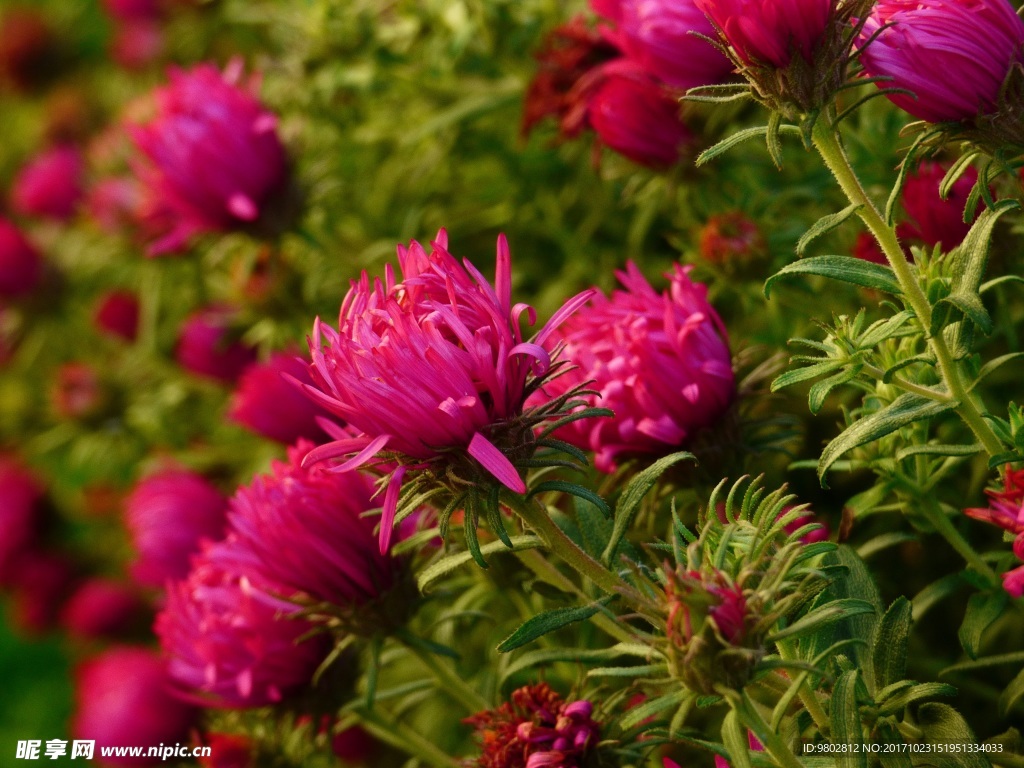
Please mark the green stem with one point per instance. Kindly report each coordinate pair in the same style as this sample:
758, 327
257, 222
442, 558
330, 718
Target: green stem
533, 560
905, 385
771, 740
555, 539
405, 739
450, 682
941, 522
826, 141
807, 696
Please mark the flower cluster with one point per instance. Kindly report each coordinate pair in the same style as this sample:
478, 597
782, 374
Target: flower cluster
1006, 510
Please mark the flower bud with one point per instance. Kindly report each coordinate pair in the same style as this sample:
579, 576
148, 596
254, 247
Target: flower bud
50, 185
205, 348
21, 265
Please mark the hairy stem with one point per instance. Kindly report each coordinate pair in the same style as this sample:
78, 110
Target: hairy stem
450, 682
826, 141
807, 696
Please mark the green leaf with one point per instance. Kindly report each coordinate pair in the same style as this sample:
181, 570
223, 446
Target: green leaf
987, 661
818, 393
900, 700
829, 613
943, 725
956, 170
994, 364
971, 258
734, 737
573, 490
446, 565
651, 707
845, 719
789, 378
889, 654
935, 449
983, 608
824, 225
549, 621
848, 269
904, 410
1011, 694
970, 306
633, 495
573, 656
738, 138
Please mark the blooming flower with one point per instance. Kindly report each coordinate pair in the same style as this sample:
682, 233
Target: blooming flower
730, 237
931, 219
536, 729
1013, 580
769, 32
167, 515
231, 642
305, 529
123, 698
635, 116
660, 362
270, 405
657, 35
214, 155
114, 203
117, 314
50, 185
101, 607
40, 583
77, 392
1006, 507
953, 55
204, 346
432, 369
228, 751
20, 494
21, 266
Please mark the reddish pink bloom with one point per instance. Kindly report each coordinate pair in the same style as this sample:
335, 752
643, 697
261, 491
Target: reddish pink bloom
635, 116
660, 362
1006, 507
20, 494
306, 530
77, 391
656, 34
229, 640
102, 608
952, 54
21, 266
355, 746
694, 597
40, 582
730, 237
206, 349
50, 185
114, 203
168, 515
215, 157
228, 751
609, 9
123, 698
770, 32
117, 314
1013, 580
536, 729
430, 366
137, 43
930, 219
128, 10
271, 405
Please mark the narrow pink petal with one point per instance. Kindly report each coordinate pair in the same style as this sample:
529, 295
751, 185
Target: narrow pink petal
537, 352
243, 207
495, 462
367, 450
387, 521
567, 309
503, 274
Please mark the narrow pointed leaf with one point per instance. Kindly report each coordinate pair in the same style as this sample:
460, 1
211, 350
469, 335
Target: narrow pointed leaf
890, 648
824, 225
847, 269
546, 622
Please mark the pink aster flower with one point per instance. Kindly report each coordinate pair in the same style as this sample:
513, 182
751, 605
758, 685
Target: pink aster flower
41, 581
953, 55
230, 641
228, 751
432, 369
114, 203
535, 729
306, 530
50, 185
206, 349
271, 405
656, 34
168, 515
123, 698
102, 607
1013, 580
1006, 507
21, 265
117, 314
932, 220
660, 362
634, 115
20, 495
214, 155
769, 32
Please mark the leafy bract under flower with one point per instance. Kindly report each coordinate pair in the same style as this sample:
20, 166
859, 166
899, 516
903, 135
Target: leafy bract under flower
430, 369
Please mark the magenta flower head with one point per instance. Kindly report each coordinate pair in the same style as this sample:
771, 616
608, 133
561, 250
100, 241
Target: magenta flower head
20, 495
953, 55
657, 35
271, 405
231, 641
432, 373
769, 32
117, 314
661, 363
215, 159
21, 265
305, 528
168, 515
537, 728
932, 220
50, 185
205, 346
102, 608
633, 115
123, 698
